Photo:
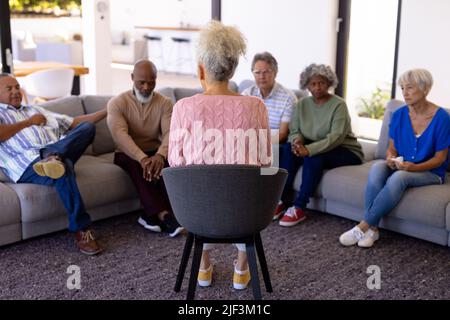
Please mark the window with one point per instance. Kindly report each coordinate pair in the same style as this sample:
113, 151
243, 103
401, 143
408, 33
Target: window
370, 63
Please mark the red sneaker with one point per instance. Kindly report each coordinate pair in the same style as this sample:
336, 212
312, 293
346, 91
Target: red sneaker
279, 211
292, 216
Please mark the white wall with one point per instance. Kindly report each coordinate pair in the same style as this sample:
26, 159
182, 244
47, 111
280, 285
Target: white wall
97, 47
296, 32
424, 43
168, 13
62, 28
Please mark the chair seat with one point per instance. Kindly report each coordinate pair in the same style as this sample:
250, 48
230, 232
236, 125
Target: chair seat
152, 38
178, 39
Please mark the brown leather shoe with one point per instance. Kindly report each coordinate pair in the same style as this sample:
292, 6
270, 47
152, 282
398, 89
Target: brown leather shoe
86, 242
51, 167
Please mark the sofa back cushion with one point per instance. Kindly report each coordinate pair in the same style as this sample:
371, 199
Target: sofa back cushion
72, 106
168, 93
383, 140
103, 142
181, 93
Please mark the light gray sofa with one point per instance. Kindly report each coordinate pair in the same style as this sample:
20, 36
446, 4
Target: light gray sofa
423, 212
30, 210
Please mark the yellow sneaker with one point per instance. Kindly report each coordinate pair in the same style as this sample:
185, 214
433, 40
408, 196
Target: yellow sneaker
51, 167
204, 277
240, 278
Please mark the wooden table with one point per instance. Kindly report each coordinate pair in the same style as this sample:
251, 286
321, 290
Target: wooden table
168, 28
23, 69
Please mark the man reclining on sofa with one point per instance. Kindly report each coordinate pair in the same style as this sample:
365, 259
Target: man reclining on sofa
42, 147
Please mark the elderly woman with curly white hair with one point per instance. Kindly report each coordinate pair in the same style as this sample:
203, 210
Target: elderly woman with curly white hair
216, 113
321, 138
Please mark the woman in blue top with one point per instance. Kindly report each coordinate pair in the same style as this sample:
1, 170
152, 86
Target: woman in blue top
419, 139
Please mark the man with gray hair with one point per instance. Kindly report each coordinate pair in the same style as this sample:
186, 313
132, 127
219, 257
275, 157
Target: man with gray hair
279, 102
139, 121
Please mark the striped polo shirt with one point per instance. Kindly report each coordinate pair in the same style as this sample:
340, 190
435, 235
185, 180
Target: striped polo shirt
19, 151
279, 103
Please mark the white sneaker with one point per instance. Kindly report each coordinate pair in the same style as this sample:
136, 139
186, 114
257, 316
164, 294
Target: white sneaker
149, 225
369, 238
351, 237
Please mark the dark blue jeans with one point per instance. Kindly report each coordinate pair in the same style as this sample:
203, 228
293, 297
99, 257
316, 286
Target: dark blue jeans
313, 168
70, 150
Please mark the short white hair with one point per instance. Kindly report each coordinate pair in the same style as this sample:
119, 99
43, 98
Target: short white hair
420, 77
219, 48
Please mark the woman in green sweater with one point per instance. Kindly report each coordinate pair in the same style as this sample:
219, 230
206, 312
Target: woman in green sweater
321, 138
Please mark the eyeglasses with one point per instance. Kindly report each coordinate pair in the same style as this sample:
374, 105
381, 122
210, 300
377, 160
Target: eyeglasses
264, 72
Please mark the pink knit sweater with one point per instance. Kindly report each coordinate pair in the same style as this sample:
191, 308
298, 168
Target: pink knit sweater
219, 129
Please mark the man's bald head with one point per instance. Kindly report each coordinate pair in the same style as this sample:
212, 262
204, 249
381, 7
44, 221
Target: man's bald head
144, 77
145, 65
10, 90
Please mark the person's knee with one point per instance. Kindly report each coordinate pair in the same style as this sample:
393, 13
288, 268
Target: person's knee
380, 166
313, 162
378, 173
398, 178
89, 128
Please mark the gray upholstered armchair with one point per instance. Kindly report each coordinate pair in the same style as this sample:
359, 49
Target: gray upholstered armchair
223, 204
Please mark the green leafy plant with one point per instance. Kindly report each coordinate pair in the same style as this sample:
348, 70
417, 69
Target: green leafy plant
375, 106
52, 7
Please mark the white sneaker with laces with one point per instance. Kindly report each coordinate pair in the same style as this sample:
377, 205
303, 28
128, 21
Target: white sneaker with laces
351, 237
369, 238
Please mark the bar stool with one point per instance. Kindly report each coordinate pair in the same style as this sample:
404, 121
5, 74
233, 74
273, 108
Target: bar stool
152, 41
183, 53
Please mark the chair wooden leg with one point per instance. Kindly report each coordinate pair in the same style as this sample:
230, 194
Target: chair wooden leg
263, 262
184, 261
198, 248
250, 247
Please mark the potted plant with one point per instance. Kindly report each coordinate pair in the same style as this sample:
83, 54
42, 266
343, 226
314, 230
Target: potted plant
371, 112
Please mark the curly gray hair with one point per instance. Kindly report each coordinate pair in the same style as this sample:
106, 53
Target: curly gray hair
318, 70
219, 48
421, 77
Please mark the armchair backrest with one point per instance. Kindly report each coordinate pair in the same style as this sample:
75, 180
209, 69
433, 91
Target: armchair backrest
223, 201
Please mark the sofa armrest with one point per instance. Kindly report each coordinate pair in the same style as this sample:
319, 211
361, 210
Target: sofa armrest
4, 177
369, 147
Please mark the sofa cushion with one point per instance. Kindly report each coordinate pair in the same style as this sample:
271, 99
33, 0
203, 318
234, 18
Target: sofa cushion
103, 142
72, 106
383, 140
167, 92
233, 86
425, 205
347, 184
4, 177
100, 183
9, 204
181, 93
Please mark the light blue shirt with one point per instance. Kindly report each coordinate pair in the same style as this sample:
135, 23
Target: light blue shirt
435, 138
19, 151
280, 103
